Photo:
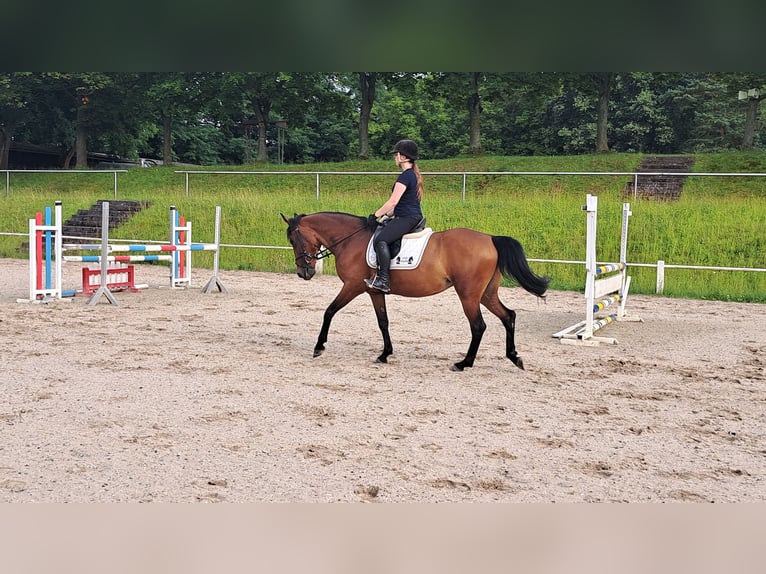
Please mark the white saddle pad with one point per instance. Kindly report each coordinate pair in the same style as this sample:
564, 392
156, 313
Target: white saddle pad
409, 256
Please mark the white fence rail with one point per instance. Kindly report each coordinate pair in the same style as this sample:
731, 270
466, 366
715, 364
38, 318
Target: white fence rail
464, 175
8, 173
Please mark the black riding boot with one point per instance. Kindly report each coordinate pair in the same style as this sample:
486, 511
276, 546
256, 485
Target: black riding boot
384, 265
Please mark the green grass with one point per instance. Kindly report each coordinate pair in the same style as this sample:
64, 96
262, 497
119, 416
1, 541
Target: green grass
719, 221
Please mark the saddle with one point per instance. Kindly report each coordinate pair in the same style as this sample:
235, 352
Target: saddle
406, 252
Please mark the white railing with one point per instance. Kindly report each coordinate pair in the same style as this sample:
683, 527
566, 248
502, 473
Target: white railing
464, 174
8, 173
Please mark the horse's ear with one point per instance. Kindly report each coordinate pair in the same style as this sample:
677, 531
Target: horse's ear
284, 218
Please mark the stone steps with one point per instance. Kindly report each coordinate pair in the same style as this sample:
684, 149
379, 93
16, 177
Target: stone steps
663, 187
87, 222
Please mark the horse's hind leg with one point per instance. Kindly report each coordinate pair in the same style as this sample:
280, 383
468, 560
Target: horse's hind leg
478, 326
472, 312
507, 316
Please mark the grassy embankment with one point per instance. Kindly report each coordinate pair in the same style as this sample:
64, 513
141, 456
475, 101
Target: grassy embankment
717, 222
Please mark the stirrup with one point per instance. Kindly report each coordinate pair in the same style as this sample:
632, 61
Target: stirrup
378, 285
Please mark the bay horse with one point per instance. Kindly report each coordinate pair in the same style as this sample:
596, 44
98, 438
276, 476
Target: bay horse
470, 261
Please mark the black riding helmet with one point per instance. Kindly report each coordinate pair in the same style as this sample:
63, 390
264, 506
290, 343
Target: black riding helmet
407, 148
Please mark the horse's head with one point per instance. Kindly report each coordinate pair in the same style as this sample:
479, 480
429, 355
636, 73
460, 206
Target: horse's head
305, 246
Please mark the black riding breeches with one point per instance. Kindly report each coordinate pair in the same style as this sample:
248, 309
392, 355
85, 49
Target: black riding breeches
394, 228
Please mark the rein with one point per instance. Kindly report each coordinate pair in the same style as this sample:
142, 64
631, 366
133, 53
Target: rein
327, 251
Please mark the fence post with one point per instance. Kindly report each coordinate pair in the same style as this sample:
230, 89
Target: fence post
660, 276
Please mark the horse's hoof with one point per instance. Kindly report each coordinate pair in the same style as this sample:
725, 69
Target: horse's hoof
382, 359
318, 352
519, 363
457, 368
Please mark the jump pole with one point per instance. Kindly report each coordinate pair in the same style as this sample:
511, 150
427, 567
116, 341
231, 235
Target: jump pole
608, 289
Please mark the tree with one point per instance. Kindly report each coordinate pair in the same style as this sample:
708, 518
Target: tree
76, 92
702, 111
171, 96
603, 84
208, 117
17, 89
461, 90
596, 86
640, 120
751, 90
513, 117
474, 114
253, 98
367, 81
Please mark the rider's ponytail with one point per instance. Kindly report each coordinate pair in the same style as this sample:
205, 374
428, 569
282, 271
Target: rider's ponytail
416, 169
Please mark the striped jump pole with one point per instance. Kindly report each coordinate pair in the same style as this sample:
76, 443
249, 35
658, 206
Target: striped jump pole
118, 258
605, 284
162, 247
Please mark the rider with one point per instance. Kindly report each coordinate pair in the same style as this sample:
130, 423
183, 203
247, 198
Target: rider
403, 207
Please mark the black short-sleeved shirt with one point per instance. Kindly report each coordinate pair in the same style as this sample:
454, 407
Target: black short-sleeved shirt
409, 204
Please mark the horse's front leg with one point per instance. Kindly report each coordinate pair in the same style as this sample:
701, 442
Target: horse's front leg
379, 304
346, 295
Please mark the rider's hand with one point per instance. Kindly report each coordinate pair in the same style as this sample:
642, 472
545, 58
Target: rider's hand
372, 221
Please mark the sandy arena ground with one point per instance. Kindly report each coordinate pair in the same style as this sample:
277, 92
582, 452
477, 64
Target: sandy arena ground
178, 396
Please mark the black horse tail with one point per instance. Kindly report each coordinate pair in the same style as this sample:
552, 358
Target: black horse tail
513, 265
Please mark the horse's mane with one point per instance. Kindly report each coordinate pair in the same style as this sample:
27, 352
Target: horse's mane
338, 213
293, 222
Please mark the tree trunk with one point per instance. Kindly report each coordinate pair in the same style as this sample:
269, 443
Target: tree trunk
5, 146
81, 140
367, 88
603, 83
167, 139
68, 158
261, 110
751, 121
474, 116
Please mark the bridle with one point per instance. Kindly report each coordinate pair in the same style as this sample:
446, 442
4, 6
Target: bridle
305, 255
322, 253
